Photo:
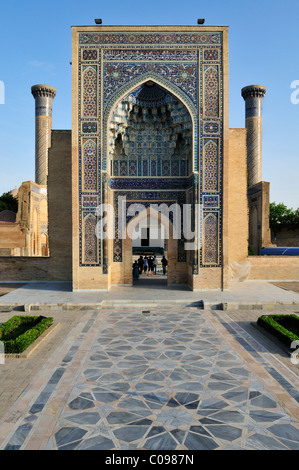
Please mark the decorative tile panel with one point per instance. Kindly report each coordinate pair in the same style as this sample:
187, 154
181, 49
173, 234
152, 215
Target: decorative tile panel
90, 165
89, 127
89, 54
182, 75
211, 166
211, 239
149, 55
90, 251
211, 54
89, 76
211, 202
211, 86
150, 38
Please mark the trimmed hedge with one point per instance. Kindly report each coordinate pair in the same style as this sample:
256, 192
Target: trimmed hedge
273, 324
33, 326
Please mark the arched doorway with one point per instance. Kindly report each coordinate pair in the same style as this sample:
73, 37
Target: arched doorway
175, 274
150, 162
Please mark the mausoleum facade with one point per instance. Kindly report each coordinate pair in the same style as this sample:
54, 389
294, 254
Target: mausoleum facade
150, 125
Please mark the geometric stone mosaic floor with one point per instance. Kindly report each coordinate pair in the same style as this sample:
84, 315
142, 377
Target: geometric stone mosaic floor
153, 380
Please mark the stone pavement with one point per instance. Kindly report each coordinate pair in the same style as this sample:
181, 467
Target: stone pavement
148, 291
168, 378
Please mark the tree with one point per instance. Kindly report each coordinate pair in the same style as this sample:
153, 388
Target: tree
283, 217
8, 203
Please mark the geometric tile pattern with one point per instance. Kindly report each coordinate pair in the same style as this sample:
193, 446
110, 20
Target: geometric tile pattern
90, 248
155, 380
89, 167
90, 91
211, 161
211, 91
152, 38
183, 75
210, 249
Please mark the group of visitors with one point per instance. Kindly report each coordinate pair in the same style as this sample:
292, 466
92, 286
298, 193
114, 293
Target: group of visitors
148, 266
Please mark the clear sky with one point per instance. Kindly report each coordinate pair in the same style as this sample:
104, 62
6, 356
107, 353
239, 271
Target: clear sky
35, 47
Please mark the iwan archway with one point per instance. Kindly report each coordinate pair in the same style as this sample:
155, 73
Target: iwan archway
150, 164
148, 128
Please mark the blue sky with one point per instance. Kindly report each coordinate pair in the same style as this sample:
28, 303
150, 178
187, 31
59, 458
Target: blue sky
35, 40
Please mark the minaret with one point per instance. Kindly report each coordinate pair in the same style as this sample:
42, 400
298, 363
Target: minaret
43, 95
253, 96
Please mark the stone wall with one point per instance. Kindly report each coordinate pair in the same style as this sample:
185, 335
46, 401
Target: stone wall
237, 197
270, 268
11, 236
58, 265
259, 213
286, 238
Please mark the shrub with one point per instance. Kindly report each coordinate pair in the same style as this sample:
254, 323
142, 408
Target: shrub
284, 327
21, 331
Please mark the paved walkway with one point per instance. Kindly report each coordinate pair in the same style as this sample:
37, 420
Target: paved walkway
179, 378
145, 292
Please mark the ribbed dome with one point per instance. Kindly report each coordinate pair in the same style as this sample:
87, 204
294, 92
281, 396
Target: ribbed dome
7, 216
149, 95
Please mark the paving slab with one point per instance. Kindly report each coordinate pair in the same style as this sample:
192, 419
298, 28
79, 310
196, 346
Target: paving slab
156, 379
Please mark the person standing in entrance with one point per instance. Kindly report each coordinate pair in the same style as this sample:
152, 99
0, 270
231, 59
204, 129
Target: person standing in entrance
145, 264
150, 266
155, 262
135, 271
140, 264
164, 264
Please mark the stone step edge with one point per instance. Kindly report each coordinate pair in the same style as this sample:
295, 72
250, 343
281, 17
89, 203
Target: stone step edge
233, 305
254, 305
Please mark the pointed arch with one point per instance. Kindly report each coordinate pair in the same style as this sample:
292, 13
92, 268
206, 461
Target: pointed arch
172, 89
174, 276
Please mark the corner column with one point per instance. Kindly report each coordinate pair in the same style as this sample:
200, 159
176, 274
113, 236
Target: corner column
253, 96
43, 95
